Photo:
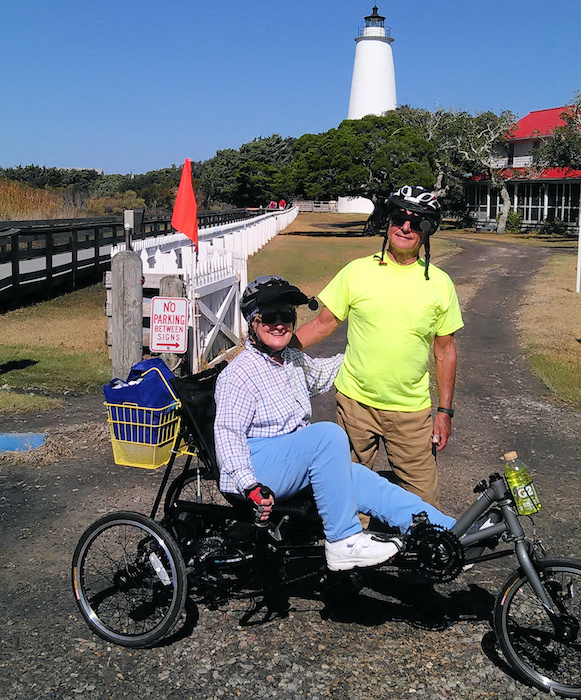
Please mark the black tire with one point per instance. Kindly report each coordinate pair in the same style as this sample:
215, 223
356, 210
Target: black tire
191, 486
190, 528
527, 636
129, 579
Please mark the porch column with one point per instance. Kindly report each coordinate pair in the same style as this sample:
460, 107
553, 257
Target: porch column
545, 202
578, 286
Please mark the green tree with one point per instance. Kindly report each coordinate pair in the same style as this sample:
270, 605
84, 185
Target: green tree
42, 177
481, 144
255, 184
563, 149
367, 157
219, 180
464, 143
250, 176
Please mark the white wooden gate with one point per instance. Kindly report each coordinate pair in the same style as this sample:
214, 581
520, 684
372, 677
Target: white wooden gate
214, 278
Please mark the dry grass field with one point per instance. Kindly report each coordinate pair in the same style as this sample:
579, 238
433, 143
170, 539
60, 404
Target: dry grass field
550, 327
18, 201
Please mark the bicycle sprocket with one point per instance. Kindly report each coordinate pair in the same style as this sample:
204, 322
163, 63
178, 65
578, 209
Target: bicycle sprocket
433, 551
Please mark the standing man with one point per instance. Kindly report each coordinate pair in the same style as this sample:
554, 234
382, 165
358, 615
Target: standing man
398, 307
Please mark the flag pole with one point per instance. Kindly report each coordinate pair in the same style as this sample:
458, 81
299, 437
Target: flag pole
185, 220
195, 353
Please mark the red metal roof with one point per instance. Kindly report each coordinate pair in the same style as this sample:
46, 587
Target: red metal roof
560, 173
540, 123
527, 174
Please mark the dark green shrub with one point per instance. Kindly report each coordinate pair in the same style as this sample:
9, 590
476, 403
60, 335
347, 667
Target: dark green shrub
513, 221
554, 227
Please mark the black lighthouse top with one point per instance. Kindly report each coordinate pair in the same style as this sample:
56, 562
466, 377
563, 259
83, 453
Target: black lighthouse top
374, 19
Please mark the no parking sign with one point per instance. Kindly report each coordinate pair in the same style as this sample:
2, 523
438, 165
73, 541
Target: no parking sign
169, 325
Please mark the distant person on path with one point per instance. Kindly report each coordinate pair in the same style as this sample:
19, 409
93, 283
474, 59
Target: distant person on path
282, 204
267, 448
397, 307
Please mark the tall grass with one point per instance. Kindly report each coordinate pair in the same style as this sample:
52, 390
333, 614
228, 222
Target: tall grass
21, 202
550, 327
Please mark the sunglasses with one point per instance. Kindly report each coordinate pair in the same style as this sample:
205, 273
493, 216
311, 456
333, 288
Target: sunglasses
398, 219
271, 318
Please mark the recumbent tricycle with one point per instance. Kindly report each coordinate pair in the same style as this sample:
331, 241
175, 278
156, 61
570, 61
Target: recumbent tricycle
132, 574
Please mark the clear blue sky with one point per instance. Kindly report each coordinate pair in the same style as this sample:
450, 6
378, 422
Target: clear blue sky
129, 86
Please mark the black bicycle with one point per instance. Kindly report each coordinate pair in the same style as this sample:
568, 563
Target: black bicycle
133, 574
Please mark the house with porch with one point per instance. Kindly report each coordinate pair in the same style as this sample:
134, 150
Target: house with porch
536, 194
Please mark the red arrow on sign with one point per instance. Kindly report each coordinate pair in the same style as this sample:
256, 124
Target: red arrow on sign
171, 345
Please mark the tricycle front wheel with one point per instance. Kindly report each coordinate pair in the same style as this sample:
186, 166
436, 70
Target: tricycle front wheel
545, 653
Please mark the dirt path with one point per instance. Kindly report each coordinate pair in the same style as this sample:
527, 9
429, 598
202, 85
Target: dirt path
385, 649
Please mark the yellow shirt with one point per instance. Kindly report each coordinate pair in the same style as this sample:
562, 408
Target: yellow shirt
394, 314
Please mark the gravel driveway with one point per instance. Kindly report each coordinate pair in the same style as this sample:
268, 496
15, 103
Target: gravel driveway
396, 643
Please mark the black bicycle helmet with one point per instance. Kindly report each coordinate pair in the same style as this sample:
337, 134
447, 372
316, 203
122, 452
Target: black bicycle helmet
421, 202
270, 291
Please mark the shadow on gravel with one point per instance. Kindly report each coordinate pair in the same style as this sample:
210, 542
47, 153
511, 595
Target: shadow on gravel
398, 598
188, 624
489, 646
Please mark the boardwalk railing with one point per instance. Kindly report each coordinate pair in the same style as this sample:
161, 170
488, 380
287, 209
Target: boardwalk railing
39, 258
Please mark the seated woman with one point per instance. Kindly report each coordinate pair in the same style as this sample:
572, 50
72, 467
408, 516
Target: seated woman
265, 438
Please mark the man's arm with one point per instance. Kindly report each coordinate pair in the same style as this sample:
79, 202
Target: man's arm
445, 357
321, 327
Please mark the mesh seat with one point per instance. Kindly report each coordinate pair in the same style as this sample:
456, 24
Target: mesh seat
198, 411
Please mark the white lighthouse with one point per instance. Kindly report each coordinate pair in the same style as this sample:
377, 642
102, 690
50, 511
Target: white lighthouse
373, 82
372, 88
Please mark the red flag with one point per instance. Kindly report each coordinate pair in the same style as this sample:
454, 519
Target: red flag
185, 211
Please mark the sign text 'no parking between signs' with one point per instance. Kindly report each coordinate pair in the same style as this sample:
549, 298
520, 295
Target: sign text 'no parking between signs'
169, 325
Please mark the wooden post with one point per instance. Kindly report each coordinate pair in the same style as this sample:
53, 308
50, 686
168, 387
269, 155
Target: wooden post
171, 286
127, 312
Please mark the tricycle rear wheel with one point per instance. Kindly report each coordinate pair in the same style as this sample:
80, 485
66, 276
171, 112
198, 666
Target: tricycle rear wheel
129, 579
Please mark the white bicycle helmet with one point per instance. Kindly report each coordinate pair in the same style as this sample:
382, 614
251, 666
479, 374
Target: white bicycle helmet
419, 201
423, 203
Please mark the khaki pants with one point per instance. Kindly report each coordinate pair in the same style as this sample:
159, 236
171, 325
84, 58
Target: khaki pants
407, 438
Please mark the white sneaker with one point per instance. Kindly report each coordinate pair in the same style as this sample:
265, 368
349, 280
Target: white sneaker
361, 549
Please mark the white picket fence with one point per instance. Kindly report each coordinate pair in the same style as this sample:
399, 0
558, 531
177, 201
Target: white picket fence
213, 278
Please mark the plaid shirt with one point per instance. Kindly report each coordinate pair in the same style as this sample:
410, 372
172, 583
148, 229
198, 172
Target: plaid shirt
257, 397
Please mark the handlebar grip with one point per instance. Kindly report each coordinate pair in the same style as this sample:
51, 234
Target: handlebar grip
265, 493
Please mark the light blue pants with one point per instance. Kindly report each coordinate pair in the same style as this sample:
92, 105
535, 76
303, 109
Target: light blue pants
319, 455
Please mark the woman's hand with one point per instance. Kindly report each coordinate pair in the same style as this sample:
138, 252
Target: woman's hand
262, 499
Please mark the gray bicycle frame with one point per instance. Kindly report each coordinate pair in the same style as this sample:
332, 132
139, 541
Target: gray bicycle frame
496, 493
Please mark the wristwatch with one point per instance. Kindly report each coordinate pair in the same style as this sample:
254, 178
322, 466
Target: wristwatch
449, 411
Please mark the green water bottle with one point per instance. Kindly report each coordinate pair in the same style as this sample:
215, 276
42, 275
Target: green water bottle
521, 485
